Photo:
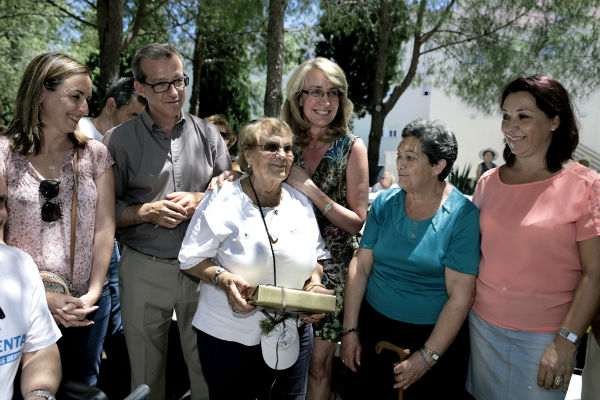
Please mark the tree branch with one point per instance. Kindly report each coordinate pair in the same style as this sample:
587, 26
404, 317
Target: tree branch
414, 62
17, 15
70, 14
476, 37
437, 26
153, 10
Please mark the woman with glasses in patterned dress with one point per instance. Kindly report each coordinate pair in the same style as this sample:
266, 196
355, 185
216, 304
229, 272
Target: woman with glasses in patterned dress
331, 169
39, 154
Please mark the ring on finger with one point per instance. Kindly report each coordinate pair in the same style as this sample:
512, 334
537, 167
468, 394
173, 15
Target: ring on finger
558, 380
235, 310
401, 377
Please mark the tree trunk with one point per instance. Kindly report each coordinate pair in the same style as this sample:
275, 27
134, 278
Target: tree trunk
379, 112
110, 36
273, 95
197, 62
377, 121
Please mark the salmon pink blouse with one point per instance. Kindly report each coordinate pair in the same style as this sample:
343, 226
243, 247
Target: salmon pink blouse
530, 264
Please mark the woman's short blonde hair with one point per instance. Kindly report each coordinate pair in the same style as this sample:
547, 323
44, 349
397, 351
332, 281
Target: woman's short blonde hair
47, 70
292, 111
250, 136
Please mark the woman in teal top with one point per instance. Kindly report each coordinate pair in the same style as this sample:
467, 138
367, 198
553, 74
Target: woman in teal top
412, 282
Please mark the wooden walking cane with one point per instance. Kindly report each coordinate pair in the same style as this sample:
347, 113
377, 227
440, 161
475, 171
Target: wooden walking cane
402, 353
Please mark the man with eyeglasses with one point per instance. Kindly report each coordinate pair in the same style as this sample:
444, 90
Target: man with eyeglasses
164, 161
28, 333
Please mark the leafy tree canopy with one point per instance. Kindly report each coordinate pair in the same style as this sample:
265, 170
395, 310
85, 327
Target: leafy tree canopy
350, 39
471, 48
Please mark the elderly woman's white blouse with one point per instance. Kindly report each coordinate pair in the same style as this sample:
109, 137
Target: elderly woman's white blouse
227, 227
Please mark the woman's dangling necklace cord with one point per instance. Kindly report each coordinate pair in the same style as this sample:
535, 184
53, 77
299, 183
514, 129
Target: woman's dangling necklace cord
274, 319
266, 229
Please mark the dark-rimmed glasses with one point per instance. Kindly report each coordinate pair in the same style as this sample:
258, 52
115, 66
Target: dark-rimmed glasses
331, 94
49, 189
161, 87
273, 147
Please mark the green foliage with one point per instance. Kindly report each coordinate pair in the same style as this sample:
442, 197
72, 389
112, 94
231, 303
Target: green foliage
154, 30
225, 85
27, 28
229, 30
460, 179
514, 38
349, 37
267, 326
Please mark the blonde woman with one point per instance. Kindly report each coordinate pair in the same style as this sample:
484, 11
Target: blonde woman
330, 168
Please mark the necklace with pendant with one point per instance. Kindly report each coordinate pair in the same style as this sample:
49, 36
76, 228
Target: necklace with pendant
51, 166
272, 239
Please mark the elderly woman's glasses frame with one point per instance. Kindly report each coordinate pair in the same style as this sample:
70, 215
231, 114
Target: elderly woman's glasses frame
49, 188
273, 147
331, 94
162, 87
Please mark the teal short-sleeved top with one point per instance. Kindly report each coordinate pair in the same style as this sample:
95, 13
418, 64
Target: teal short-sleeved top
407, 281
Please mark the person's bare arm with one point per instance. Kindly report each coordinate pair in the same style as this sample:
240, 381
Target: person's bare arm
559, 357
234, 286
104, 234
461, 293
349, 219
40, 369
356, 285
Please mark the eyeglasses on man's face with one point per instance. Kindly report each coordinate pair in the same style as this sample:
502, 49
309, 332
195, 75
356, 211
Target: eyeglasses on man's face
273, 147
331, 94
161, 87
49, 189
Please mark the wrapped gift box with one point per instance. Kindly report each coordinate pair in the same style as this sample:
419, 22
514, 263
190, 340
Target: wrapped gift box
296, 301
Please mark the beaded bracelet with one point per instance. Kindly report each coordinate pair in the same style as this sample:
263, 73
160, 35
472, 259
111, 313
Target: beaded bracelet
312, 284
425, 360
347, 331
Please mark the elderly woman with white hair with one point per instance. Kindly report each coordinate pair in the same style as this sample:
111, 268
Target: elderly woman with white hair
256, 230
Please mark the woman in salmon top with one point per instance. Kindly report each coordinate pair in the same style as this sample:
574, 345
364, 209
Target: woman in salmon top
537, 288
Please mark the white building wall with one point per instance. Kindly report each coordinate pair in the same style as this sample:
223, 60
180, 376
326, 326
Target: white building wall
415, 103
589, 117
474, 129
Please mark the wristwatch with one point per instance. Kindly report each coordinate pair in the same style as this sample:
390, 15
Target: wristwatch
570, 336
215, 277
430, 353
328, 207
46, 394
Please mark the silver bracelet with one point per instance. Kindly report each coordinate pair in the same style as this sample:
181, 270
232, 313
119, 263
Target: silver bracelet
45, 393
